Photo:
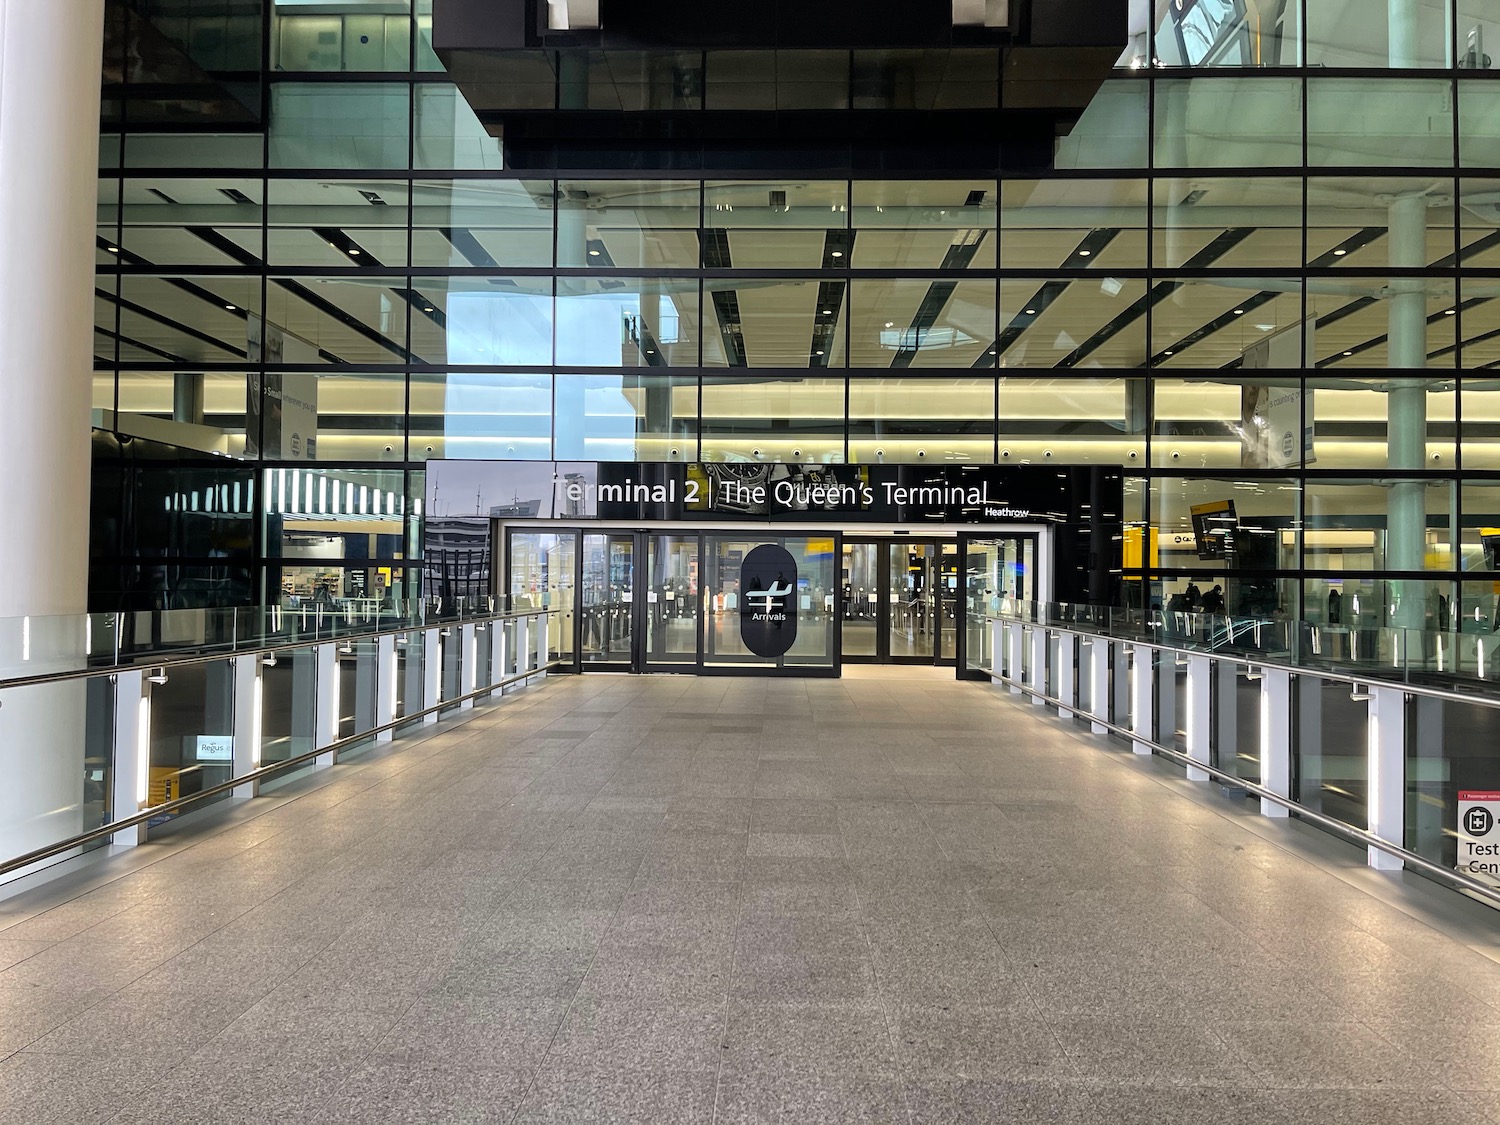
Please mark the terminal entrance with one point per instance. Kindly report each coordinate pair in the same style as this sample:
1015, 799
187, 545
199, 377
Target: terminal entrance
671, 601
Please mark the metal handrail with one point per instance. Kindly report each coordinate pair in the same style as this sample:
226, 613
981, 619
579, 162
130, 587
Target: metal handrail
262, 771
1322, 820
1351, 678
165, 661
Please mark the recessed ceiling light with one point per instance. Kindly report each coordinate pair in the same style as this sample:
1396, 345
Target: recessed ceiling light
827, 312
1167, 352
820, 351
1031, 312
114, 249
593, 253
229, 307
1348, 353
1084, 253
1239, 312
354, 250
427, 308
838, 253
1450, 312
1339, 253
652, 351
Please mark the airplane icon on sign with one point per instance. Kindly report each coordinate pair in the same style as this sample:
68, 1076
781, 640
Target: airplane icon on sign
777, 590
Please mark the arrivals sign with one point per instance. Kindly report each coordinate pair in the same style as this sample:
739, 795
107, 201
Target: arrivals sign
769, 492
768, 600
1479, 835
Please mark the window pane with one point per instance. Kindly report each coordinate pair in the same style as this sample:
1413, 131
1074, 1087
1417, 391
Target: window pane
1375, 322
774, 323
1061, 323
766, 225
188, 319
354, 38
1228, 224
774, 420
1376, 423
1197, 423
924, 224
1481, 424
339, 125
922, 421
490, 320
339, 320
449, 135
337, 224
1401, 524
1073, 224
633, 80
1209, 322
647, 224
506, 417
627, 322
1354, 122
1355, 33
626, 418
913, 78
482, 223
191, 410
923, 324
1360, 221
1076, 421
1228, 121
1113, 131
189, 222
1254, 532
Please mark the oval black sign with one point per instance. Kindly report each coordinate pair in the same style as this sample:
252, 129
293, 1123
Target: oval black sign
768, 600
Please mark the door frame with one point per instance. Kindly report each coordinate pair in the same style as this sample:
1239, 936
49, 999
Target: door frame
964, 672
885, 546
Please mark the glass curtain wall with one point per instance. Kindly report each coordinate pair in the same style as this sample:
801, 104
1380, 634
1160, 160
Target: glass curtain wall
1262, 275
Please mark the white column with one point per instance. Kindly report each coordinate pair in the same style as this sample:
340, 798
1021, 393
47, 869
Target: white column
1063, 685
247, 720
1014, 665
1099, 684
385, 707
1403, 17
1275, 738
543, 648
1387, 773
997, 642
1199, 694
1142, 713
1406, 408
432, 670
468, 680
1040, 651
326, 724
49, 151
49, 148
130, 784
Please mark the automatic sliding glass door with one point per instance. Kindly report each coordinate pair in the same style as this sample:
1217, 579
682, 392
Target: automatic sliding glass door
607, 609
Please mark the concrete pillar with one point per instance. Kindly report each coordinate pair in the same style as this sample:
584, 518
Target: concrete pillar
247, 720
1406, 408
1402, 18
1064, 686
1142, 709
1275, 738
385, 711
330, 687
1387, 774
1199, 716
187, 398
49, 148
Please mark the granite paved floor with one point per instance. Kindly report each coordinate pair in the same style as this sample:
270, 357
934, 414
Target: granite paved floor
717, 900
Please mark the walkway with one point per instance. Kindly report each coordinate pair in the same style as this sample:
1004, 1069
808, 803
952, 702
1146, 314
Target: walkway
676, 900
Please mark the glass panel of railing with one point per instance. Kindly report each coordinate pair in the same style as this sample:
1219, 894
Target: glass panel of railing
1170, 684
1330, 749
1452, 766
452, 657
1236, 729
289, 711
56, 761
1086, 686
481, 654
191, 731
359, 687
1121, 696
409, 660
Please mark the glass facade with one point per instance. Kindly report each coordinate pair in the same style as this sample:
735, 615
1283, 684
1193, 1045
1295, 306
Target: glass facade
1262, 269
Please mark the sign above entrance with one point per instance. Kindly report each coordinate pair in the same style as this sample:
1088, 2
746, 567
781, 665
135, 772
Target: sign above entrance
759, 491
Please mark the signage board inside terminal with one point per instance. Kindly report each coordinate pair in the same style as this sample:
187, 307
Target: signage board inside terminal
753, 491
